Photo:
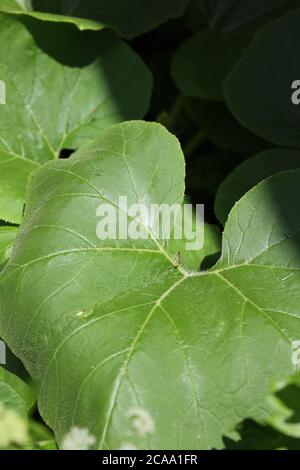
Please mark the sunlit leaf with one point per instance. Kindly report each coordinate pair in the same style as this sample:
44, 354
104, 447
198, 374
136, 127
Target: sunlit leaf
121, 339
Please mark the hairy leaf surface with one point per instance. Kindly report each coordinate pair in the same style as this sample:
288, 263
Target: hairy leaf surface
120, 338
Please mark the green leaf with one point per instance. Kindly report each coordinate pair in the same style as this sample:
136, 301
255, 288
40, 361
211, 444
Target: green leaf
17, 430
15, 170
193, 259
194, 17
284, 403
24, 8
222, 128
25, 4
51, 106
7, 238
122, 341
130, 18
14, 393
249, 174
203, 62
212, 247
259, 89
18, 5
228, 15
41, 438
256, 436
16, 400
277, 13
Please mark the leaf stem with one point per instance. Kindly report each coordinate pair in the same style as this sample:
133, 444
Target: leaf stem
195, 142
175, 112
169, 120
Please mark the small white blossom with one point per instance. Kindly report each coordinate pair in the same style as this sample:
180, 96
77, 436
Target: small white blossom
128, 446
13, 428
142, 421
78, 439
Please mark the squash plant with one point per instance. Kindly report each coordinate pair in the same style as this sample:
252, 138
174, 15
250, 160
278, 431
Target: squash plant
141, 344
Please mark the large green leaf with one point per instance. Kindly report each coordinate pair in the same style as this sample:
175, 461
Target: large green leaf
121, 340
250, 173
259, 89
202, 63
130, 17
221, 127
228, 15
52, 106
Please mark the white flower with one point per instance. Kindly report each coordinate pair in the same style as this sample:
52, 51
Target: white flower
13, 428
142, 421
128, 446
78, 439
